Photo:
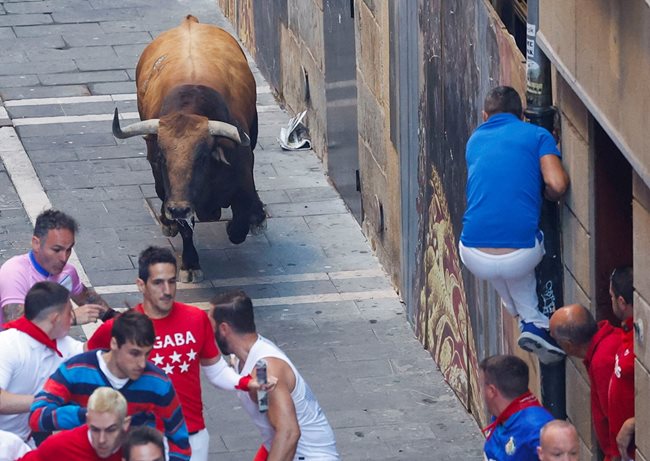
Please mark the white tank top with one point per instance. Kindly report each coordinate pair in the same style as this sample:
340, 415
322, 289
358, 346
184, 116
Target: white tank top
316, 441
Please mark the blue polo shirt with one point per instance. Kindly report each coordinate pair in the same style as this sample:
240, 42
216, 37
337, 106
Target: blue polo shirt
504, 182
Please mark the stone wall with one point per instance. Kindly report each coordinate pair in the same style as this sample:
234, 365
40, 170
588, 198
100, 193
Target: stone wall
378, 160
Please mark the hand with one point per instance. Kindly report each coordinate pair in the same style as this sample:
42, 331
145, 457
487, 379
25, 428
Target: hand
254, 386
624, 437
88, 313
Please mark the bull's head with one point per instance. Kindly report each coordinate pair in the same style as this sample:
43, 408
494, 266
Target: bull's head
185, 143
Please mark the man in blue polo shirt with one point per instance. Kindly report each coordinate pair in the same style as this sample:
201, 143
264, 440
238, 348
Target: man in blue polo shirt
510, 164
517, 415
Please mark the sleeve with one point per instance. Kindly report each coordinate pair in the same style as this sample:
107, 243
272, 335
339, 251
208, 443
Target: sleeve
77, 286
209, 349
9, 360
547, 144
53, 408
14, 283
600, 387
175, 427
101, 339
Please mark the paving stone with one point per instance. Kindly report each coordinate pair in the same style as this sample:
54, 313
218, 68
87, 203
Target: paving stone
56, 29
46, 6
71, 53
8, 196
84, 77
24, 19
58, 91
70, 140
49, 110
18, 80
107, 63
29, 43
121, 38
6, 33
112, 88
96, 15
38, 67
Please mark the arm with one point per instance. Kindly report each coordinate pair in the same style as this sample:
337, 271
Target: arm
224, 377
11, 403
174, 424
625, 436
12, 311
282, 413
53, 408
556, 179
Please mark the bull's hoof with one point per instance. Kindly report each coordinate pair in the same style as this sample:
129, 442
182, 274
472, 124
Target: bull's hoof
259, 228
169, 230
236, 234
190, 275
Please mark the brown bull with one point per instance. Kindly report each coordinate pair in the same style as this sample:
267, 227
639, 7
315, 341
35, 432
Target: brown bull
196, 99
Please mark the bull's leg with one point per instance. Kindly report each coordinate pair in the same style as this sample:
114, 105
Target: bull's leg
169, 228
247, 213
190, 268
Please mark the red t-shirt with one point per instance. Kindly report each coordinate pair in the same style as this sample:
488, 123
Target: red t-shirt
182, 338
72, 445
621, 387
599, 363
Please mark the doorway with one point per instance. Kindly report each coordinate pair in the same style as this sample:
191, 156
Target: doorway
613, 216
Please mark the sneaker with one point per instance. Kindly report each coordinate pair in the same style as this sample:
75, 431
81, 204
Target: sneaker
539, 341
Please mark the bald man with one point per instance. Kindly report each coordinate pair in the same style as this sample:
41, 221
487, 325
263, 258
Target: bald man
558, 441
576, 331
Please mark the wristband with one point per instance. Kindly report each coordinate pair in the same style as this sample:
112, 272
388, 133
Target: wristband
243, 383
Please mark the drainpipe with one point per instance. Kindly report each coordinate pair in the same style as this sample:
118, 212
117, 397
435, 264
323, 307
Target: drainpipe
540, 111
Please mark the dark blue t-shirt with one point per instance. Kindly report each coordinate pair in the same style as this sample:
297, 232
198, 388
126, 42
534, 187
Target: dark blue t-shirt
504, 182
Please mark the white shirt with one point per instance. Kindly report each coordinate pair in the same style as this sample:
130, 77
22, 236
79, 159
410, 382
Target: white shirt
12, 447
316, 441
25, 365
116, 383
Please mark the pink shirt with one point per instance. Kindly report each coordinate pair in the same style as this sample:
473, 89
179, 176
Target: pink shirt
21, 272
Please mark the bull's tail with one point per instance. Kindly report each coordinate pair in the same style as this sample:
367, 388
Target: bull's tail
189, 17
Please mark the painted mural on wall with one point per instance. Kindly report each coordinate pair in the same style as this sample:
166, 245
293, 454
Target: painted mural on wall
465, 52
443, 324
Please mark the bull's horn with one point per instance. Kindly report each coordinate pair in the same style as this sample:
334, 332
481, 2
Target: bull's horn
228, 131
135, 129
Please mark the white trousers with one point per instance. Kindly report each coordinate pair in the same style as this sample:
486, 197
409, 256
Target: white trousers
200, 443
513, 276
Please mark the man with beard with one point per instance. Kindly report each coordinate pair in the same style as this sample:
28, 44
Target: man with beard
184, 343
294, 427
100, 439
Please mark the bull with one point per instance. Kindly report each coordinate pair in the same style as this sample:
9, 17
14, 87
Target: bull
197, 102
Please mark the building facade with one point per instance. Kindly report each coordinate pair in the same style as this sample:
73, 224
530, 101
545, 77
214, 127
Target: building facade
393, 89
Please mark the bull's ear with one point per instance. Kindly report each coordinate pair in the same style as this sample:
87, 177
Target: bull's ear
218, 154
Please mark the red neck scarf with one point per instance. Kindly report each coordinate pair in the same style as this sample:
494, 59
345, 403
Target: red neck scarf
525, 400
29, 328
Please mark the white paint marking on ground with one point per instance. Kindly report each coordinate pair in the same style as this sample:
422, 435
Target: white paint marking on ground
3, 113
261, 280
28, 186
312, 299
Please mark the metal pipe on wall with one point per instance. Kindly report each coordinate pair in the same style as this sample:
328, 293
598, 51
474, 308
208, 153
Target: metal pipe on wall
540, 111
